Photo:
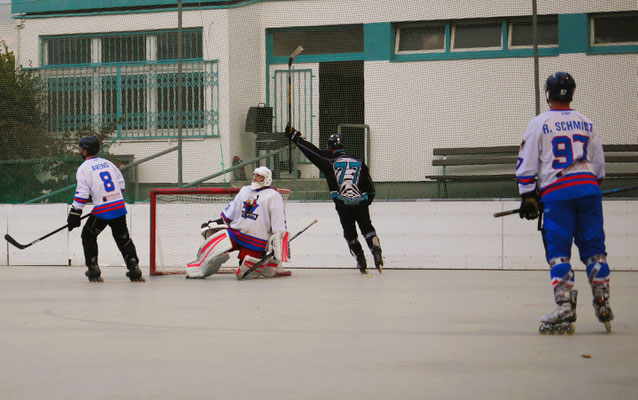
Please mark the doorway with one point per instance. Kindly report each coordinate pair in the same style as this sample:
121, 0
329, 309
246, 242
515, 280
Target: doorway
341, 101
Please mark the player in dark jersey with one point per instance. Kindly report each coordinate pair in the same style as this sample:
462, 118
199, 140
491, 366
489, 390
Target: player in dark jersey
351, 189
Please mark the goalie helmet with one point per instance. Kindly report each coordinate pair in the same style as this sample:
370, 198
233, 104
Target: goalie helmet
334, 142
91, 144
560, 87
261, 171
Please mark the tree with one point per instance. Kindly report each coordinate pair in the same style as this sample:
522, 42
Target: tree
33, 161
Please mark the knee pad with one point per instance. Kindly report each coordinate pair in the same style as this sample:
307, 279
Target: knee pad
561, 273
597, 269
267, 270
211, 255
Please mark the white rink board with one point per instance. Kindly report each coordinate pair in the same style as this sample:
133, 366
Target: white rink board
27, 223
4, 247
413, 234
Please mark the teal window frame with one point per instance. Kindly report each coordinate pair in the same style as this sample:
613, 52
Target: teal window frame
608, 48
449, 53
116, 56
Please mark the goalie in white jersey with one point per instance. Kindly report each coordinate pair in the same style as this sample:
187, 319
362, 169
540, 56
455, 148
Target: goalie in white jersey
253, 223
563, 148
102, 182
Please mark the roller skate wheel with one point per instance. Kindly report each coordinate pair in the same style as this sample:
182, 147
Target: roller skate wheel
543, 329
608, 326
560, 330
570, 329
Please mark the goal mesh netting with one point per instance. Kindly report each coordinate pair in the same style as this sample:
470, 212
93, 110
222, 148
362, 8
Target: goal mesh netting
176, 217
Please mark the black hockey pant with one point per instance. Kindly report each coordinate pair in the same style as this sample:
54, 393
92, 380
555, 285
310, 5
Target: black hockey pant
360, 215
94, 226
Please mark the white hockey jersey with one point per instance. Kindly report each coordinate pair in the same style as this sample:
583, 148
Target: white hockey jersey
563, 147
102, 181
254, 215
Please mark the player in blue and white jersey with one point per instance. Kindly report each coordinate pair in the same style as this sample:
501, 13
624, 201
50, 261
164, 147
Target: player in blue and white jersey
100, 181
351, 189
562, 147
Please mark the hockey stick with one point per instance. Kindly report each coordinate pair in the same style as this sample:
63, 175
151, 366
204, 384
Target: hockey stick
271, 254
604, 193
11, 240
290, 60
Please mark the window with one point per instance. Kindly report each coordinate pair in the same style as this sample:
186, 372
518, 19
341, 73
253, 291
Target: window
520, 31
420, 38
67, 50
132, 112
68, 103
613, 29
167, 45
320, 40
192, 100
477, 35
123, 48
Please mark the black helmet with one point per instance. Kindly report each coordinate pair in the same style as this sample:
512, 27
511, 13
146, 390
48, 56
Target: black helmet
334, 142
91, 144
560, 87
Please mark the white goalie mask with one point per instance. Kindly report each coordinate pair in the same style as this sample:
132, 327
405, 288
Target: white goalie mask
261, 171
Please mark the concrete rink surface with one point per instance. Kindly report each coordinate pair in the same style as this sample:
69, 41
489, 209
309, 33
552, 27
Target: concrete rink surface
319, 334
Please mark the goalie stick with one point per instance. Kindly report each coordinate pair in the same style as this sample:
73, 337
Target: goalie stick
290, 60
271, 254
11, 240
604, 193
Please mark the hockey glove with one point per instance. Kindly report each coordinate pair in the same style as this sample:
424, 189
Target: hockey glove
529, 206
74, 218
212, 226
292, 133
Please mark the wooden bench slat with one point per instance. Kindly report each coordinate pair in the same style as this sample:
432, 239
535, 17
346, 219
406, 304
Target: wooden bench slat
513, 150
474, 161
618, 159
453, 151
620, 147
486, 177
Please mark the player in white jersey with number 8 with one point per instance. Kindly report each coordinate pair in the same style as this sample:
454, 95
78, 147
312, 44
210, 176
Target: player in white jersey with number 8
102, 182
563, 148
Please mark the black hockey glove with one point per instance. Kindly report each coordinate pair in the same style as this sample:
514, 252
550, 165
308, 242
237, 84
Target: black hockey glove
529, 205
292, 134
74, 219
212, 226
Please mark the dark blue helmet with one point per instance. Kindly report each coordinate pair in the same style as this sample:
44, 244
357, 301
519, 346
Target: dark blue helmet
91, 144
334, 142
560, 87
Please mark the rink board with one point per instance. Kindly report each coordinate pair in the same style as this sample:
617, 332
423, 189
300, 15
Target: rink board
414, 235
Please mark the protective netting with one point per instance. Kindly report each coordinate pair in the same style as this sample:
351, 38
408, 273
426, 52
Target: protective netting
434, 97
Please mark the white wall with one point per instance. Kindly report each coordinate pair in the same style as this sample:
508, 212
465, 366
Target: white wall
414, 235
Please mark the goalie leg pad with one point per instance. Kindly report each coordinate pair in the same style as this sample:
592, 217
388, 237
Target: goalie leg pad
268, 270
278, 244
211, 255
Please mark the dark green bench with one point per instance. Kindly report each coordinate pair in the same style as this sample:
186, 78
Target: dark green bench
507, 156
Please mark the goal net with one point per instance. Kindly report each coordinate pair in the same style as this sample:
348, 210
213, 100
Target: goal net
176, 217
